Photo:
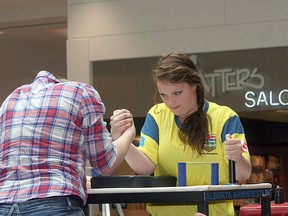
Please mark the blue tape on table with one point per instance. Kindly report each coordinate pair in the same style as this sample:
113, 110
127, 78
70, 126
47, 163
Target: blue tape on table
214, 174
181, 174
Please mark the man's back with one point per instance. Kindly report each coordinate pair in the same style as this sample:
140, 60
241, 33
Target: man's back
42, 139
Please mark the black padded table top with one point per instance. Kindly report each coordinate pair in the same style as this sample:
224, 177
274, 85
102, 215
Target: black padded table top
132, 181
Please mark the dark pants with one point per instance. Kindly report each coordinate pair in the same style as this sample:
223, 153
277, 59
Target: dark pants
53, 206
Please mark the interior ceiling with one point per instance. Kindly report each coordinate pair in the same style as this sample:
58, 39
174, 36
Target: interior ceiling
17, 21
9, 5
19, 13
18, 30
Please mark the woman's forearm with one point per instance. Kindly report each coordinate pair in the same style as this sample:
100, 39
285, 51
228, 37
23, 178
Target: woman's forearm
139, 162
243, 169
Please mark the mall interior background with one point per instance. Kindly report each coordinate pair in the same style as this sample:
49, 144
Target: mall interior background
34, 36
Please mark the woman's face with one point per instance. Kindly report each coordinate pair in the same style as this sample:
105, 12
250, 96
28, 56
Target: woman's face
180, 98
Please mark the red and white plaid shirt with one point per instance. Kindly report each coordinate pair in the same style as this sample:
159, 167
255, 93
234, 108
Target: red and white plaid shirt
47, 131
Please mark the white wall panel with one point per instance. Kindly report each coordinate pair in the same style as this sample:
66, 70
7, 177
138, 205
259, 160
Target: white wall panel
246, 11
120, 29
232, 37
103, 18
78, 64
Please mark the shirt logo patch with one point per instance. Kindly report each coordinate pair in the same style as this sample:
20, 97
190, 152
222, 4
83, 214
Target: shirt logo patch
210, 143
244, 147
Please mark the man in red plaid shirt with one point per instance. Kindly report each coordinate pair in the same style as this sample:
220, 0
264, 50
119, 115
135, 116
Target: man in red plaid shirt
47, 131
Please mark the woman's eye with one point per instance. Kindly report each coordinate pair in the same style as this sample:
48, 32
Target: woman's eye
177, 93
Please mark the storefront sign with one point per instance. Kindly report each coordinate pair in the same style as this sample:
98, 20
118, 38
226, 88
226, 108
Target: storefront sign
266, 99
234, 79
229, 79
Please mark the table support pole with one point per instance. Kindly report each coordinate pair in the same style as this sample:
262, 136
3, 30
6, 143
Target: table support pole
266, 205
203, 208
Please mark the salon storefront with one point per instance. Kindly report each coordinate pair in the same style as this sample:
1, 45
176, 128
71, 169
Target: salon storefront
255, 84
247, 80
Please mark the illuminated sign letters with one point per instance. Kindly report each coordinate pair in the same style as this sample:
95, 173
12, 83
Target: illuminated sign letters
231, 80
266, 99
227, 79
240, 79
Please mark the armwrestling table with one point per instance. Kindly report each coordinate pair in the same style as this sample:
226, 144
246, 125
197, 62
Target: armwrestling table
200, 195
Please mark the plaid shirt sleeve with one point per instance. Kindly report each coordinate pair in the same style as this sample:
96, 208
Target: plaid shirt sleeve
99, 150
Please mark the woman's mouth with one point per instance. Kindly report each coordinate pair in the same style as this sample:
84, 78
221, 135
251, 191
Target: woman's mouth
174, 108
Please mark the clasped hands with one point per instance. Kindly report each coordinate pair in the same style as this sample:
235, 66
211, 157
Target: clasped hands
120, 121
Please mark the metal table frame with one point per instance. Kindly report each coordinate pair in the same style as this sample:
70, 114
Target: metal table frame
200, 195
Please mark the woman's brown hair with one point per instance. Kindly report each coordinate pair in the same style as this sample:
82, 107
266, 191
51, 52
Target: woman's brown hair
175, 68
